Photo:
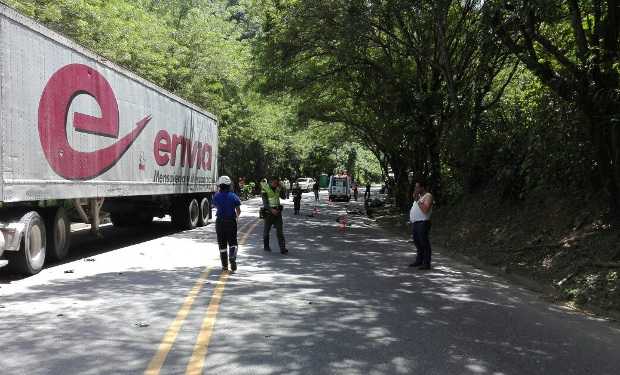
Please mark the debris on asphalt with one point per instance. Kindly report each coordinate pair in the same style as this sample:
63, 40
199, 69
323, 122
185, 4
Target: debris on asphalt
142, 324
90, 259
60, 315
2, 307
68, 271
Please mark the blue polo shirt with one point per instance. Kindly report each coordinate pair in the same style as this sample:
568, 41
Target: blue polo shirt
226, 202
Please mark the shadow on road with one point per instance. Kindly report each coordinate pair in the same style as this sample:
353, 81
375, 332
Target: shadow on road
340, 303
347, 303
84, 244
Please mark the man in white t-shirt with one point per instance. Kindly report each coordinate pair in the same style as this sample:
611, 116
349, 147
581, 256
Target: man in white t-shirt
420, 216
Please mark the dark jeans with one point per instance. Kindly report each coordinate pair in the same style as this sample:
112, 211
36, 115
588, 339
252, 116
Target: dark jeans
274, 220
316, 195
226, 230
421, 232
297, 203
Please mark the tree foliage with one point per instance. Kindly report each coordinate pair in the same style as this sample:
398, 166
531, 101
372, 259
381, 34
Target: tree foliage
471, 93
512, 96
202, 51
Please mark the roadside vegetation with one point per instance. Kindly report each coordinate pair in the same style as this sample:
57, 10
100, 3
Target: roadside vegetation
510, 108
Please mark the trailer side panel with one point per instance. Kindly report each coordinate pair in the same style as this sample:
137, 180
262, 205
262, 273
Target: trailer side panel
75, 126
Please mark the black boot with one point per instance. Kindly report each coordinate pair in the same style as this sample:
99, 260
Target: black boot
283, 249
233, 258
224, 259
266, 244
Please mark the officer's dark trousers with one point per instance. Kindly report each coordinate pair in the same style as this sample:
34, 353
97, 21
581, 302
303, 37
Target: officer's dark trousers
297, 203
226, 230
421, 233
273, 220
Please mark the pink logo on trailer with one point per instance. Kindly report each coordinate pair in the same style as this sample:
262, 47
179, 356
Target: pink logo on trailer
62, 88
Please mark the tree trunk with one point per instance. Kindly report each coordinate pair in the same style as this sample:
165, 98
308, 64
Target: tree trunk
400, 167
605, 153
434, 153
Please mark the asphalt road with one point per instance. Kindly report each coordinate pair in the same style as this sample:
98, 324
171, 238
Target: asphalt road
151, 301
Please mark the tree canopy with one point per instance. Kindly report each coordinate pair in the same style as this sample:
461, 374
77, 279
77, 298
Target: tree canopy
473, 94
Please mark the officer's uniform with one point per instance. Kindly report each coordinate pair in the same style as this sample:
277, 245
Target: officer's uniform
226, 203
271, 199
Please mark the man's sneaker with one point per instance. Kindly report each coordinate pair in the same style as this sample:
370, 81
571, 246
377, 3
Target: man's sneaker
424, 268
267, 248
415, 264
284, 251
233, 265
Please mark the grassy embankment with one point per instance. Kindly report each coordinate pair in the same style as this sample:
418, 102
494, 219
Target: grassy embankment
564, 250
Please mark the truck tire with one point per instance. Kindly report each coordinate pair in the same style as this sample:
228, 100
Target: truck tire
205, 212
58, 236
119, 220
30, 258
144, 219
186, 213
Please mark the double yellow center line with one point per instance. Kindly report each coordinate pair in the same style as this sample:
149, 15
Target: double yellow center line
196, 363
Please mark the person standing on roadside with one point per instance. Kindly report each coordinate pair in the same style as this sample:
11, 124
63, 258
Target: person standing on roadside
297, 198
367, 192
228, 210
315, 189
272, 213
420, 216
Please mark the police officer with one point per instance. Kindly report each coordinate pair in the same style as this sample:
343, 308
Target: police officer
272, 212
228, 211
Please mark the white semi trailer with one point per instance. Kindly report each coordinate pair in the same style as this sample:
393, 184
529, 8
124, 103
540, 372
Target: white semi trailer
82, 138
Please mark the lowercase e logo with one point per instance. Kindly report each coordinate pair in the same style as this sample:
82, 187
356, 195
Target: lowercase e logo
67, 83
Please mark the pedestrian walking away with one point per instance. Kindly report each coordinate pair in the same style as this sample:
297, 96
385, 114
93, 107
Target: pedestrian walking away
228, 210
272, 213
420, 216
367, 192
297, 198
315, 188
355, 191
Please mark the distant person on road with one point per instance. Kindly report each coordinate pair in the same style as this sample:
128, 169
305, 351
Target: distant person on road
287, 190
355, 191
228, 210
315, 189
272, 213
420, 216
297, 198
367, 192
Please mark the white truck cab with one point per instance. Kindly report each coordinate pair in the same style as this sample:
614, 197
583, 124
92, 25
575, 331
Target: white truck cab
340, 188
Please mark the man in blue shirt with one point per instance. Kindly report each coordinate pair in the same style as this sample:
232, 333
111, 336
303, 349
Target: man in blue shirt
228, 210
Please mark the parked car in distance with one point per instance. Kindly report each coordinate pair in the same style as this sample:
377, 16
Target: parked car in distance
305, 183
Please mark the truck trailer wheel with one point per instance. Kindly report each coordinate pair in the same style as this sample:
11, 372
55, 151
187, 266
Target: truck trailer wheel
186, 213
144, 219
31, 255
58, 236
205, 212
119, 220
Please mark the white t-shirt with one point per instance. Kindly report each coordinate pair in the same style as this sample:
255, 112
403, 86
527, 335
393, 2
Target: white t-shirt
416, 213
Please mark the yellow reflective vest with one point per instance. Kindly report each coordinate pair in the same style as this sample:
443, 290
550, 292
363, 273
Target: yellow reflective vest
273, 195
